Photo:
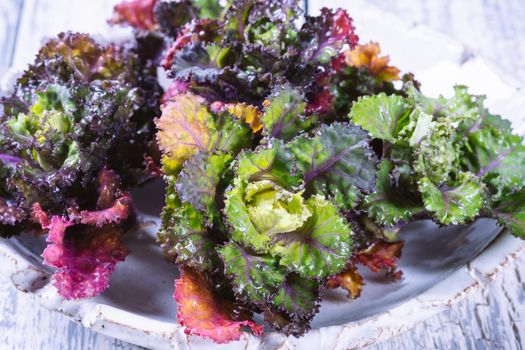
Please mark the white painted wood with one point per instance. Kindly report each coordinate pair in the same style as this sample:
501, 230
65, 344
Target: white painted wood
493, 317
26, 325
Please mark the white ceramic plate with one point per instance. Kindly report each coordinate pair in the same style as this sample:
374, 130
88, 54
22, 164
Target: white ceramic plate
441, 266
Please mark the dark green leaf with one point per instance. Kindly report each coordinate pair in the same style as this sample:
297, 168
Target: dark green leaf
391, 204
297, 296
510, 212
338, 162
185, 237
284, 118
271, 162
294, 306
198, 183
209, 8
254, 276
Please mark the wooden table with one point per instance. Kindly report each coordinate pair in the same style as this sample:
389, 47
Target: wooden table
492, 318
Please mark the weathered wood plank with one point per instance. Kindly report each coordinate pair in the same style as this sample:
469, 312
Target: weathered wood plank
491, 318
26, 325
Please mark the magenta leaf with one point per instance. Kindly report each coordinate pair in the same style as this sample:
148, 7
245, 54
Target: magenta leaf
84, 258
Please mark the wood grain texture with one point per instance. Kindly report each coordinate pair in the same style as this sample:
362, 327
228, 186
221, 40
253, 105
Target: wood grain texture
26, 325
492, 318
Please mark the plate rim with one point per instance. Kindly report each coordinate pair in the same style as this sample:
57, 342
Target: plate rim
27, 277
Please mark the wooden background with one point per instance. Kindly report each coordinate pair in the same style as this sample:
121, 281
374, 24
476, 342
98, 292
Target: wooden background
493, 318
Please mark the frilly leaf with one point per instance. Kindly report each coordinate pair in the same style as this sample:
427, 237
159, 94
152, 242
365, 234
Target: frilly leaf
337, 161
204, 313
350, 280
254, 276
459, 108
251, 115
325, 35
390, 203
78, 108
211, 9
437, 155
196, 31
321, 247
185, 237
272, 164
272, 209
510, 212
199, 61
294, 305
237, 215
367, 56
320, 103
382, 255
198, 182
434, 131
381, 115
453, 204
244, 19
85, 58
297, 296
86, 246
495, 155
284, 117
136, 13
209, 70
171, 16
10, 213
230, 134
186, 127
117, 212
84, 260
